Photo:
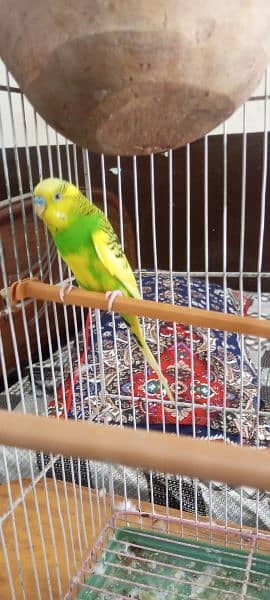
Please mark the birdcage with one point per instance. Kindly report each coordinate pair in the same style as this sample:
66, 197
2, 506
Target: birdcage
193, 223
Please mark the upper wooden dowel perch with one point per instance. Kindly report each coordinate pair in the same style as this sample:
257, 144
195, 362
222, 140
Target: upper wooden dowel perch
32, 288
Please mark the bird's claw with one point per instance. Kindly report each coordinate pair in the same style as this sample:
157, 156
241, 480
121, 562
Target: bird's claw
110, 296
66, 287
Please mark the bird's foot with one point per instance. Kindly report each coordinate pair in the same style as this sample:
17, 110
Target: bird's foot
66, 287
110, 296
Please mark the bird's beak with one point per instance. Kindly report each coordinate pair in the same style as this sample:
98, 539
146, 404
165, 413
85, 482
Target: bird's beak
39, 205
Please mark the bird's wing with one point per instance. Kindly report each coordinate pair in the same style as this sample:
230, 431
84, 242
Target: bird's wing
110, 253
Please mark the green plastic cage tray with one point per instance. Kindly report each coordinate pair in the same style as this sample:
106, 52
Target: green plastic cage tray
144, 565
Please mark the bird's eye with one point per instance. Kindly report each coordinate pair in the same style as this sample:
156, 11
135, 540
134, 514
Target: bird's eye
58, 196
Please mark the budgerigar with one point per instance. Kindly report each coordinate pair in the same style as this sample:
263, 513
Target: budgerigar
89, 246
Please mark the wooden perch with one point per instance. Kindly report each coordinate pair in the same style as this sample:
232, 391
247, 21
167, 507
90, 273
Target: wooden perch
32, 288
148, 450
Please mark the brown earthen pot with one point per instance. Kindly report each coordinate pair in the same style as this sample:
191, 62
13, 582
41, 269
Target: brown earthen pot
135, 76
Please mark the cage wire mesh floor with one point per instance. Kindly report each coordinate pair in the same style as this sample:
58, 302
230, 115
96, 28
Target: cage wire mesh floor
144, 565
48, 527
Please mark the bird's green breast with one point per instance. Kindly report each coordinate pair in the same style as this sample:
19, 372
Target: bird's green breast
77, 249
74, 237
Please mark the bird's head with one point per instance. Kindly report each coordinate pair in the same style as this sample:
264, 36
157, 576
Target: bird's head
56, 202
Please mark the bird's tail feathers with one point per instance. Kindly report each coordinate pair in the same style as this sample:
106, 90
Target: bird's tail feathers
138, 334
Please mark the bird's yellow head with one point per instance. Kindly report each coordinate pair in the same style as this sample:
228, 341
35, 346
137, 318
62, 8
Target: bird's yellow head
56, 202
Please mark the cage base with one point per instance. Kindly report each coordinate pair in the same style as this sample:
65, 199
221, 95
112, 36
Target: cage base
144, 565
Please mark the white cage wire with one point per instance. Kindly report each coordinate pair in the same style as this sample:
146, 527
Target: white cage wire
77, 528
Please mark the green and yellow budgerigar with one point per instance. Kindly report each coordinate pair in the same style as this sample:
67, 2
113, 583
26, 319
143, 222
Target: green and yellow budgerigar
89, 246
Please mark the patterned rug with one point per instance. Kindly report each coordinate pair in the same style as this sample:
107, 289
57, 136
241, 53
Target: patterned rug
258, 351
224, 377
227, 387
216, 388
215, 499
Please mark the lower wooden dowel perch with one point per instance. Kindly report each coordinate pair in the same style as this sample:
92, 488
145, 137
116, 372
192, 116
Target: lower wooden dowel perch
149, 450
